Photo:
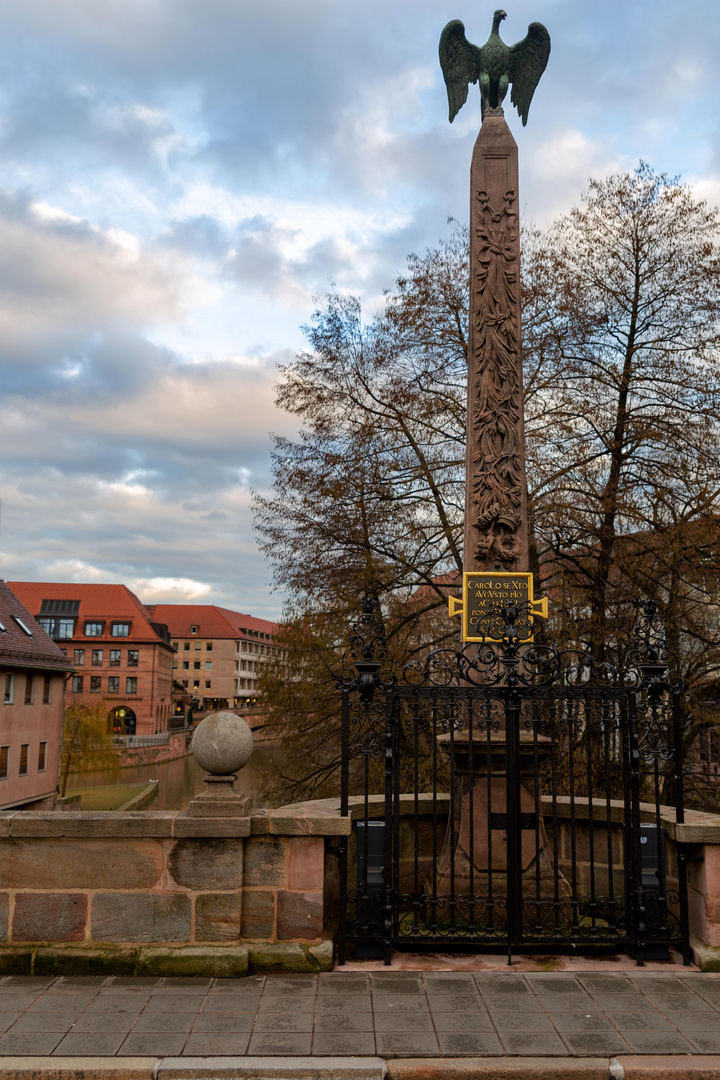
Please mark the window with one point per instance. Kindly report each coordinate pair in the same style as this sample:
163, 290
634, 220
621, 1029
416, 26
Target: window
77, 684
186, 665
115, 657
28, 689
184, 682
208, 665
79, 658
207, 684
196, 665
198, 646
120, 629
58, 628
46, 690
196, 682
208, 646
131, 684
133, 657
97, 657
23, 770
9, 688
174, 644
4, 754
114, 684
94, 629
193, 629
42, 754
186, 646
59, 607
95, 684
22, 626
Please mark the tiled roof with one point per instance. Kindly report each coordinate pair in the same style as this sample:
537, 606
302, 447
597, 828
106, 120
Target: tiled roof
101, 603
211, 621
17, 647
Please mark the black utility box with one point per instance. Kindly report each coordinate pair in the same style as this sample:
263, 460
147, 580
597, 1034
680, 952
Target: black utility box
370, 909
652, 843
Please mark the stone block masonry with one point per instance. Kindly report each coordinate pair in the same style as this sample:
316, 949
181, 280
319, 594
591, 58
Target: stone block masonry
162, 892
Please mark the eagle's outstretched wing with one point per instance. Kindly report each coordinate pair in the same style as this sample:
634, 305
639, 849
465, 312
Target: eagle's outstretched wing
460, 63
528, 60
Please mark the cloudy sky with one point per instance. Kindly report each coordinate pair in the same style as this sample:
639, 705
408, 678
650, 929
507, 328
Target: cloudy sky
179, 178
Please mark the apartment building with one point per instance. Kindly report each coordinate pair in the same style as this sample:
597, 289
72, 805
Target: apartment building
33, 671
220, 653
118, 651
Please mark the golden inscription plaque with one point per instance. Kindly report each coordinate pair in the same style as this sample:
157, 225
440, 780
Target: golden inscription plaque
483, 592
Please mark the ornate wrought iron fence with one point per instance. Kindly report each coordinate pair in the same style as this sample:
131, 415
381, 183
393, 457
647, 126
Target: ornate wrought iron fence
517, 788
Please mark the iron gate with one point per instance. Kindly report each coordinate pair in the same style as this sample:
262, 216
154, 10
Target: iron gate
512, 796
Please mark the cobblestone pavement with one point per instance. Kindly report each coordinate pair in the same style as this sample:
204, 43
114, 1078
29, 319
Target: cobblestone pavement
391, 1014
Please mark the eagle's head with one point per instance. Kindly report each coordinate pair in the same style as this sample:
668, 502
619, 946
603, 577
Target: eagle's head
500, 15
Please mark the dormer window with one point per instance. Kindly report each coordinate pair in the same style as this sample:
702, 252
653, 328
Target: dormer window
193, 629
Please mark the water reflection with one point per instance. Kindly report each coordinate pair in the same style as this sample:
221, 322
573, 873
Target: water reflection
181, 779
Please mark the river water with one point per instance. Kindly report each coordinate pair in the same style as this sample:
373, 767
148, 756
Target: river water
181, 779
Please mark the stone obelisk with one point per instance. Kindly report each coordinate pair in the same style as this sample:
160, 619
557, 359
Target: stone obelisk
496, 524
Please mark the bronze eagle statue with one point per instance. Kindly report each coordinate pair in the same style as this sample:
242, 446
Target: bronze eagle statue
494, 66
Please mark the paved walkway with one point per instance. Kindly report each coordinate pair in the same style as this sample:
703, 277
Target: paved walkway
391, 1014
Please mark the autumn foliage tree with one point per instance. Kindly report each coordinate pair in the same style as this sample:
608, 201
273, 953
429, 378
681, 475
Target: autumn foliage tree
621, 325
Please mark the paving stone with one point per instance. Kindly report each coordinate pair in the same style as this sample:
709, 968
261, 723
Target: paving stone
133, 982
410, 1044
678, 1004
553, 984
522, 1021
568, 1002
347, 1022
590, 1043
61, 1003
707, 1042
287, 1006
79, 980
106, 1022
620, 1003
644, 1021
266, 1043
352, 1003
657, 1042
454, 1002
167, 1004
8, 1018
452, 980
29, 1044
409, 1023
236, 1021
230, 1003
49, 1021
508, 1003
688, 1021
290, 984
128, 1006
89, 1044
248, 982
463, 1021
356, 1044
17, 1002
576, 1021
465, 1044
496, 983
531, 1044
284, 1022
152, 1043
165, 1022
340, 982
401, 1007
216, 1044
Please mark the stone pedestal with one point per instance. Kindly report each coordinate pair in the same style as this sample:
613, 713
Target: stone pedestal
496, 526
471, 839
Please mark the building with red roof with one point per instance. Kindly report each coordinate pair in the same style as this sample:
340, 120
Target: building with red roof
33, 671
117, 649
220, 653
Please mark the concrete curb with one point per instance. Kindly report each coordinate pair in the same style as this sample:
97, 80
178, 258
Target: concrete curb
636, 1067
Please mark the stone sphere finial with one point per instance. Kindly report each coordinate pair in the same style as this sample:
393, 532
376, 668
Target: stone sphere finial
223, 742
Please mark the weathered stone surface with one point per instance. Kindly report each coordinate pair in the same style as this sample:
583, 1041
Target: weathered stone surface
212, 827
132, 917
84, 864
220, 961
523, 1068
706, 957
279, 956
92, 823
6, 817
16, 960
305, 862
281, 824
269, 1068
223, 742
299, 915
264, 863
207, 864
4, 911
85, 960
258, 914
668, 1067
49, 916
79, 1068
217, 916
323, 954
